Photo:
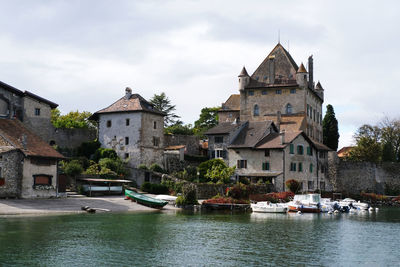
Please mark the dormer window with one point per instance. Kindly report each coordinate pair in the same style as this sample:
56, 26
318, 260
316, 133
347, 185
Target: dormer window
256, 111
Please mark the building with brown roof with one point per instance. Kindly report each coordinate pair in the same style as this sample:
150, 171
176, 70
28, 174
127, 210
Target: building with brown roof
265, 130
133, 128
28, 165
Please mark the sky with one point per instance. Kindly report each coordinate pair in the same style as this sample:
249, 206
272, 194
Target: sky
83, 54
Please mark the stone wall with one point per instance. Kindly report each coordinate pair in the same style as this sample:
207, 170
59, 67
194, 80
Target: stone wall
354, 177
207, 191
11, 172
71, 138
190, 141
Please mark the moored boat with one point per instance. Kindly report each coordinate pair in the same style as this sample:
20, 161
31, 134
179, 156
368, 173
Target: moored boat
309, 203
145, 200
267, 207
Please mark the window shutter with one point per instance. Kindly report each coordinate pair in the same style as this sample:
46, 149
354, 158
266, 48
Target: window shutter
224, 154
267, 166
291, 149
213, 154
238, 164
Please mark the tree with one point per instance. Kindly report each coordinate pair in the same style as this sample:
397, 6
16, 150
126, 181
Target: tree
74, 119
293, 185
179, 128
330, 129
390, 138
208, 119
368, 146
162, 103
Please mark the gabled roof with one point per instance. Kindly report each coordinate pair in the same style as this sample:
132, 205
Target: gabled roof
344, 151
13, 132
274, 140
134, 103
232, 103
290, 123
224, 128
252, 134
27, 93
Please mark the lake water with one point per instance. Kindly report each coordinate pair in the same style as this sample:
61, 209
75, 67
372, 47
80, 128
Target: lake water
184, 239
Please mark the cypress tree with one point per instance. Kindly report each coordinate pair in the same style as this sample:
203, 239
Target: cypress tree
330, 129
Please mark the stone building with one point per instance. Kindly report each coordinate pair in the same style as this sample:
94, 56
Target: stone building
272, 130
35, 113
28, 165
133, 128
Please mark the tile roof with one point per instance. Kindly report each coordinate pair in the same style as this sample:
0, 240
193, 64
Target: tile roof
224, 128
132, 104
289, 123
344, 151
174, 147
321, 146
274, 140
13, 132
251, 134
302, 69
232, 103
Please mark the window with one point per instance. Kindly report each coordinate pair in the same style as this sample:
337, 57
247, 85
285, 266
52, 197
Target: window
37, 111
267, 152
108, 123
126, 155
147, 177
265, 166
310, 185
300, 150
257, 78
127, 122
308, 110
251, 92
291, 149
256, 111
300, 167
219, 154
317, 117
264, 92
293, 166
42, 179
242, 164
278, 92
265, 78
311, 167
320, 119
126, 140
218, 139
309, 151
156, 141
314, 114
288, 109
292, 91
155, 125
2, 180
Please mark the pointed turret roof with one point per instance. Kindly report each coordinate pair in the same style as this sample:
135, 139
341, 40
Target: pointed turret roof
319, 86
302, 69
243, 72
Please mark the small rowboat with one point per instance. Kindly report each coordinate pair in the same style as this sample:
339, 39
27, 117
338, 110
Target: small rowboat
145, 200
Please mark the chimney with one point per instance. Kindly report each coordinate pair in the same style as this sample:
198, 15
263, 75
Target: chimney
282, 135
311, 72
24, 141
128, 92
278, 120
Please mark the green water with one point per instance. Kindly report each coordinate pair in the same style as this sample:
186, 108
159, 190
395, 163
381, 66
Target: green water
182, 239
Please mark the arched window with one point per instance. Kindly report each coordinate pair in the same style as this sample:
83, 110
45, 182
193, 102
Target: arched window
289, 109
256, 111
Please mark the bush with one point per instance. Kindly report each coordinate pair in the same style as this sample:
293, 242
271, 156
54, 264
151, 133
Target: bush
154, 188
115, 165
180, 201
238, 191
142, 167
104, 153
73, 168
293, 185
273, 197
156, 168
195, 158
146, 187
93, 169
87, 149
244, 180
225, 200
189, 194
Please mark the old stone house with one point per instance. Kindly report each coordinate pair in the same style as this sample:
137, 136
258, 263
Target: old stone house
35, 113
278, 110
133, 128
28, 165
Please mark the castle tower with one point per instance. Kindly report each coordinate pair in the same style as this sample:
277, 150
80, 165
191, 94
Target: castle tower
244, 79
302, 76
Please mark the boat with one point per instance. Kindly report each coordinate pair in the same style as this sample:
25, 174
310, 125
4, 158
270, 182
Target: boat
268, 207
171, 199
309, 203
353, 204
145, 200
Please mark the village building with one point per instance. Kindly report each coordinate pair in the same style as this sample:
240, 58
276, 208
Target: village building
133, 128
28, 165
272, 129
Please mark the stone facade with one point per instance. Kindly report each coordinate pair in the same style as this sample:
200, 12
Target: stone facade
11, 173
191, 142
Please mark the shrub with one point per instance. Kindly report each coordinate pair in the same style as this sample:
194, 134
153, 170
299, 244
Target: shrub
225, 200
154, 188
180, 201
238, 191
93, 169
104, 153
293, 185
173, 187
142, 167
273, 197
116, 165
244, 180
73, 168
87, 149
156, 168
207, 165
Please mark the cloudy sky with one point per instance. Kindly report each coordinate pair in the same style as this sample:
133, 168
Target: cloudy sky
82, 54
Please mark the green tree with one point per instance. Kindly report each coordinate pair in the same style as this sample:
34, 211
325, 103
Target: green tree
220, 173
162, 103
368, 146
179, 128
330, 129
390, 138
208, 119
74, 119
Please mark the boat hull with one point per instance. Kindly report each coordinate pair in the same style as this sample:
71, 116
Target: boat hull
145, 200
268, 208
305, 209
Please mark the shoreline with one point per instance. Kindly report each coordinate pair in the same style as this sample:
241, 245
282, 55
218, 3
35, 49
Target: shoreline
72, 205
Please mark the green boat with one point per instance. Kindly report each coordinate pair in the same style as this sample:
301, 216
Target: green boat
145, 200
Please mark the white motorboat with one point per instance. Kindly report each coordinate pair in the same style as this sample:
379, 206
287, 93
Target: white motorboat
305, 203
353, 203
171, 199
268, 207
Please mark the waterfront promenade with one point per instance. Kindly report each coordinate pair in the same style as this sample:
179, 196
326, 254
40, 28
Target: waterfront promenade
70, 205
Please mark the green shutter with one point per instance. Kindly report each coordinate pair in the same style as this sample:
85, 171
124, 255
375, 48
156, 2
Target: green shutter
291, 149
267, 166
300, 167
308, 150
263, 166
311, 167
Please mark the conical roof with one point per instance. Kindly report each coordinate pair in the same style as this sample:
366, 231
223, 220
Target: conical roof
301, 69
318, 86
243, 72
